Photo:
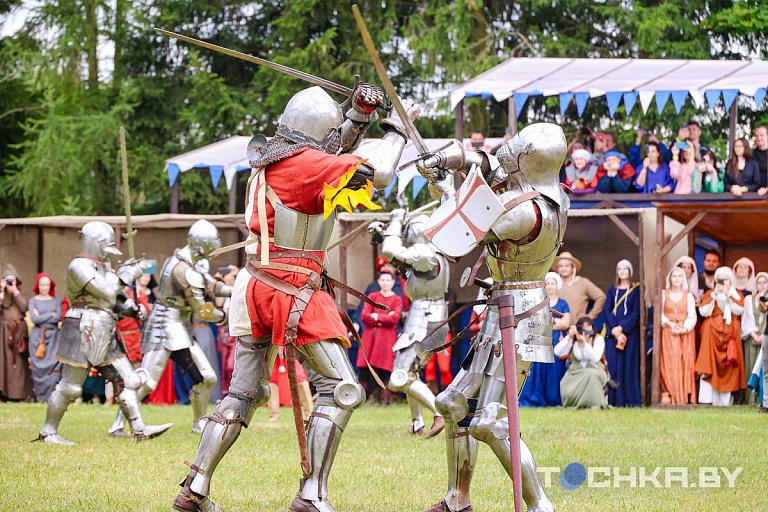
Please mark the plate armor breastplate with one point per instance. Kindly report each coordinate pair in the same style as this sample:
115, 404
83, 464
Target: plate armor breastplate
300, 231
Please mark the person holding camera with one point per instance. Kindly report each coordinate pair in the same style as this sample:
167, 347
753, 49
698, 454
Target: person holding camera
635, 152
15, 376
720, 361
753, 323
708, 177
653, 174
583, 383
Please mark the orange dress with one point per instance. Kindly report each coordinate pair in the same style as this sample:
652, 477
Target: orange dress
678, 353
713, 353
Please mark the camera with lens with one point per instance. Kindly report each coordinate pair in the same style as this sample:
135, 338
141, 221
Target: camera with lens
586, 332
10, 281
720, 281
763, 299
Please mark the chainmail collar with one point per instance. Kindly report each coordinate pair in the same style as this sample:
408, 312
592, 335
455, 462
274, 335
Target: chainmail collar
279, 148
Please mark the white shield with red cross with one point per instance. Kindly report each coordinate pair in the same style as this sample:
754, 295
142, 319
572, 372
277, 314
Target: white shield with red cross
459, 224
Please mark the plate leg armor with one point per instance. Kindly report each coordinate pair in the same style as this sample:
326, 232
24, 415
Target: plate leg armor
491, 427
126, 382
339, 393
200, 393
152, 367
69, 389
249, 390
405, 379
458, 408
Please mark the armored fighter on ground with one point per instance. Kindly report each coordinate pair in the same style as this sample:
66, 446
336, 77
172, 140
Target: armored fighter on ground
521, 222
94, 293
184, 283
281, 298
426, 283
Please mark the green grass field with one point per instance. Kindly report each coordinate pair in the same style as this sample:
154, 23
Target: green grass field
379, 467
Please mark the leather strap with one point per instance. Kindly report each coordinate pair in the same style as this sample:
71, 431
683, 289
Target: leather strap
271, 280
521, 199
451, 317
520, 286
333, 283
507, 321
290, 356
476, 268
287, 267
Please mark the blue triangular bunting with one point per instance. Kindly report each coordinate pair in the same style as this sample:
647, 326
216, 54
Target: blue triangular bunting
728, 96
581, 102
661, 100
630, 98
216, 173
565, 100
759, 97
712, 96
418, 184
613, 98
388, 190
678, 99
173, 173
520, 99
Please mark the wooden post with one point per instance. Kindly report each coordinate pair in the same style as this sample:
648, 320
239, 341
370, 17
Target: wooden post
40, 249
459, 122
511, 115
691, 243
175, 195
655, 377
233, 196
343, 263
643, 312
734, 110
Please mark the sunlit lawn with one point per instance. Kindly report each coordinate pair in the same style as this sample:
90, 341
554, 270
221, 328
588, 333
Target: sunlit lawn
379, 467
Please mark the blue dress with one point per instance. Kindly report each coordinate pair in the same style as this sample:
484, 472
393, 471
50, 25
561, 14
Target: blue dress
542, 387
624, 365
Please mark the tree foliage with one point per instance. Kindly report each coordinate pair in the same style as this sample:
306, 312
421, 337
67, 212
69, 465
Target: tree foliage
79, 69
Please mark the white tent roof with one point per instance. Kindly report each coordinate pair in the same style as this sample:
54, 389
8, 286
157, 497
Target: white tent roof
550, 77
226, 156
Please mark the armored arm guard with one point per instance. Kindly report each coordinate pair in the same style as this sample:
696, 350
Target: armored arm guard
420, 256
215, 287
194, 286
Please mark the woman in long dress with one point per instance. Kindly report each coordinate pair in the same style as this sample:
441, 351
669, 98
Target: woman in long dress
542, 387
753, 323
582, 385
45, 312
678, 340
15, 378
720, 361
622, 337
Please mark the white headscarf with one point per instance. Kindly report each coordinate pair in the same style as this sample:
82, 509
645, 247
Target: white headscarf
669, 277
693, 281
727, 273
751, 284
556, 277
628, 264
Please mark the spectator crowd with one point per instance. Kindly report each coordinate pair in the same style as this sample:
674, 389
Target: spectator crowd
685, 166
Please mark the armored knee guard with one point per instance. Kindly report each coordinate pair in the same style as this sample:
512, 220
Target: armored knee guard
398, 381
452, 404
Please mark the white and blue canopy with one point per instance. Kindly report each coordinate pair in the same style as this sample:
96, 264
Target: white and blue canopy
223, 158
619, 79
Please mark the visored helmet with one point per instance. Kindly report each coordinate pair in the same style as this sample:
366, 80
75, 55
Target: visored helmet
538, 151
97, 239
203, 239
312, 118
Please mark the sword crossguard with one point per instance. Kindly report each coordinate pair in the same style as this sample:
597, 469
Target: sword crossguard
129, 235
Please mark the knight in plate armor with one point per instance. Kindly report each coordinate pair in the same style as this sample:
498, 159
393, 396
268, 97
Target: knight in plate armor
87, 339
518, 197
282, 296
184, 282
427, 276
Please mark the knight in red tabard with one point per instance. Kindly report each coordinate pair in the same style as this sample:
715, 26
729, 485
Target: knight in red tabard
280, 297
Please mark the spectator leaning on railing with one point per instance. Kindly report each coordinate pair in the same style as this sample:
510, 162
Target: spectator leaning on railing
708, 177
653, 175
741, 173
635, 152
615, 175
682, 167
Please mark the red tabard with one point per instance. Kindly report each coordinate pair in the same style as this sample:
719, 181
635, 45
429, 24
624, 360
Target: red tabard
298, 182
129, 330
379, 335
